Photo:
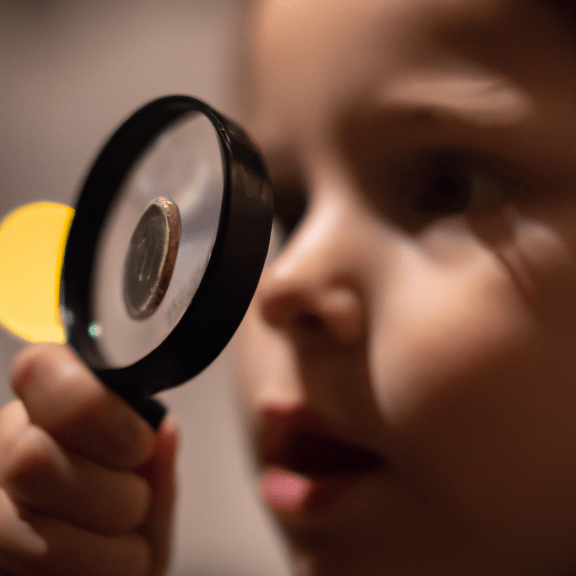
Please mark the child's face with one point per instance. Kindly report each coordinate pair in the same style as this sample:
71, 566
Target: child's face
410, 356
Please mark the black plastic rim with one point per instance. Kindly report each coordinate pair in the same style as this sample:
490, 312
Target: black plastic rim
232, 274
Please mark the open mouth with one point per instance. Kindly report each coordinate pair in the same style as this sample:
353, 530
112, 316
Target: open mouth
317, 455
312, 470
306, 462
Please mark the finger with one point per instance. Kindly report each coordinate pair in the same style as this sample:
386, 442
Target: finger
33, 545
13, 419
63, 397
160, 473
39, 475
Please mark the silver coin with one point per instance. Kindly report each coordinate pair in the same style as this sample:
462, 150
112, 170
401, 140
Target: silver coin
151, 258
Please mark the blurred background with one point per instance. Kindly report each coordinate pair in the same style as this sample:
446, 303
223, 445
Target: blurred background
70, 72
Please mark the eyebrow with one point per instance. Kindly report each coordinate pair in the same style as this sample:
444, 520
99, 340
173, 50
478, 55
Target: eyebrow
481, 98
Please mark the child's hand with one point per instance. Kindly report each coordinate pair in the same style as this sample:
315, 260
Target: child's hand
86, 486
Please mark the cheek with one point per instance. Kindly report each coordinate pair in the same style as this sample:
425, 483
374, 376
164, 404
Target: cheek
447, 339
439, 327
476, 383
451, 320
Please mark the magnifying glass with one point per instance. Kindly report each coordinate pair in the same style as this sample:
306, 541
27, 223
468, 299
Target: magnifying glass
166, 248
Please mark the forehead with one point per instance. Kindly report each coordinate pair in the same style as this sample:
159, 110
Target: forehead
314, 57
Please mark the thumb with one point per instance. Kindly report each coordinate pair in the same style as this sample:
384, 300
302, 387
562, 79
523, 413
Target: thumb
160, 473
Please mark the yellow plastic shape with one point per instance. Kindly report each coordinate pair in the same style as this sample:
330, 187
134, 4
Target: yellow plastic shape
32, 242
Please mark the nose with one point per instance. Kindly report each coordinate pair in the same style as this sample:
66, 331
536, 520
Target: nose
313, 291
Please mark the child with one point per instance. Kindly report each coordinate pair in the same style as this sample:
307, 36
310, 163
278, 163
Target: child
408, 359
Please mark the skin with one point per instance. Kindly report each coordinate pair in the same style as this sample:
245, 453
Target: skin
438, 333
86, 486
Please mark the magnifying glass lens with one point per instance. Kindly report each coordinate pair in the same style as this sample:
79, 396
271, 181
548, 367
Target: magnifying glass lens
156, 243
166, 248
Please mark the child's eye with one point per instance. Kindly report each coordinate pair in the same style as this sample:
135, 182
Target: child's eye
453, 182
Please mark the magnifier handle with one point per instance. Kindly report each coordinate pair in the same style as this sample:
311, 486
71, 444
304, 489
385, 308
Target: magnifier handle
150, 409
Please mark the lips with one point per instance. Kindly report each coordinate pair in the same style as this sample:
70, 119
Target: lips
307, 462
